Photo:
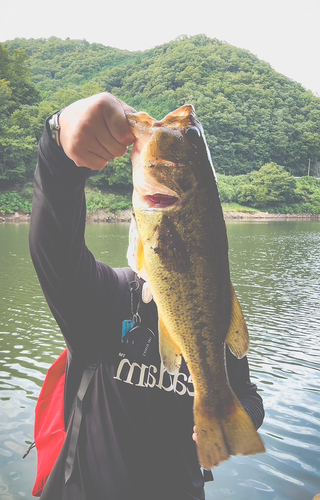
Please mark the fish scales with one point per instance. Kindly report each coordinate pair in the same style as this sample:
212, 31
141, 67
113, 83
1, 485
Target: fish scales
183, 252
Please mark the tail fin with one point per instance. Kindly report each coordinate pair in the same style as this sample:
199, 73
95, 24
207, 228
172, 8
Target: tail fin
220, 436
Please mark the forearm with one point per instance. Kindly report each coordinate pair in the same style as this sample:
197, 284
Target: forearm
58, 202
245, 390
57, 225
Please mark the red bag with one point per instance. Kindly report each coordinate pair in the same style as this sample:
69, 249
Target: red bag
49, 428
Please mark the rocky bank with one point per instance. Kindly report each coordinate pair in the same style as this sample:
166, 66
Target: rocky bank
125, 216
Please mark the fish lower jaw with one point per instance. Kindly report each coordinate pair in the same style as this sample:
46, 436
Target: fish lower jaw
159, 200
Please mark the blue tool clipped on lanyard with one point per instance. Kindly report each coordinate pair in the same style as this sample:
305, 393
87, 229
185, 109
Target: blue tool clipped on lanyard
127, 325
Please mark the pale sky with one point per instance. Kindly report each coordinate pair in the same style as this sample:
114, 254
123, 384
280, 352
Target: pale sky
285, 33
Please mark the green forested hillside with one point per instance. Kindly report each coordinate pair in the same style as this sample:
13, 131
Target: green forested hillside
251, 114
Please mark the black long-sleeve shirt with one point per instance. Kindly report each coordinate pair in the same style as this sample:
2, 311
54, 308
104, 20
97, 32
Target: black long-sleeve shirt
136, 435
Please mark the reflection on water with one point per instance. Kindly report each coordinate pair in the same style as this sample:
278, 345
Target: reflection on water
275, 270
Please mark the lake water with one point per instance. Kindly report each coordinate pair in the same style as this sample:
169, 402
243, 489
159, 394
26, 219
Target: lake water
275, 268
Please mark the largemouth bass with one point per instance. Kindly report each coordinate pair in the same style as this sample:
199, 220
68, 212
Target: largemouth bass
183, 252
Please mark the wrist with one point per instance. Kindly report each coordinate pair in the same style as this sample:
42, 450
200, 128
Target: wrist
54, 127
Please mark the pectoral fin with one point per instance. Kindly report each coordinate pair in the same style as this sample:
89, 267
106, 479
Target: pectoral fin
140, 259
169, 351
238, 336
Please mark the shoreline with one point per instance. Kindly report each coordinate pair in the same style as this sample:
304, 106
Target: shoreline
125, 216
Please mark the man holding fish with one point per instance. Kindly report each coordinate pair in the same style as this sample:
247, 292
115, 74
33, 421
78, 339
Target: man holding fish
170, 332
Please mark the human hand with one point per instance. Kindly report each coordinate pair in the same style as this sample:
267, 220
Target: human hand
95, 130
195, 435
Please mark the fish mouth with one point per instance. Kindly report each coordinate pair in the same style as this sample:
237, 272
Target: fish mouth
160, 200
149, 193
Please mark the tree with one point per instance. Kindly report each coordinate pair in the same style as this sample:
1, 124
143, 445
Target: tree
19, 74
15, 70
17, 155
91, 88
251, 114
64, 97
5, 101
271, 185
32, 118
116, 173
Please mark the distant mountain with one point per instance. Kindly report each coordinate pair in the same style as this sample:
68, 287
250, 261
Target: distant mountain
251, 114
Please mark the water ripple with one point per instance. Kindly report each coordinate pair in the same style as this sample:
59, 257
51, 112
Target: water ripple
275, 270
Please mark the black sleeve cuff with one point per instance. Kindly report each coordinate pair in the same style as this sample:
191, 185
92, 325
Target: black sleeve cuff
58, 163
254, 408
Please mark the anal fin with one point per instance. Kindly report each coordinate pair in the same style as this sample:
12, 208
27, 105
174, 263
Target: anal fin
169, 351
238, 336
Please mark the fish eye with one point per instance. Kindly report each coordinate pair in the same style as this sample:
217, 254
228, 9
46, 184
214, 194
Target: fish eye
192, 134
